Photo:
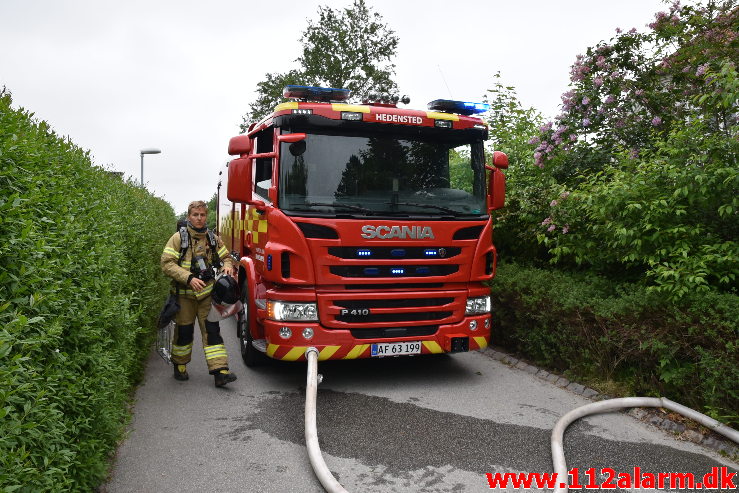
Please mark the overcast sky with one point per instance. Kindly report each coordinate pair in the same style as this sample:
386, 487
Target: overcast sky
120, 76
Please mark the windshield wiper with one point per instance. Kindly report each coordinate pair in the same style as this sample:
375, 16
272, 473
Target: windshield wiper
426, 206
339, 204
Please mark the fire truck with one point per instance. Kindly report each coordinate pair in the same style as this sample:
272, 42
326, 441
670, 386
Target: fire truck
363, 230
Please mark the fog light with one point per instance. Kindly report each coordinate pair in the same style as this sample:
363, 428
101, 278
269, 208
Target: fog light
307, 333
487, 323
285, 332
473, 324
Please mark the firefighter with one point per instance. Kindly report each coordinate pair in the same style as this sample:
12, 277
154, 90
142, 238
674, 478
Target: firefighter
193, 278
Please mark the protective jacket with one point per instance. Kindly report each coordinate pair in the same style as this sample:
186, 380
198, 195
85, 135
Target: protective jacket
198, 246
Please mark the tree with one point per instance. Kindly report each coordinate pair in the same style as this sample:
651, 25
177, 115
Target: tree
350, 48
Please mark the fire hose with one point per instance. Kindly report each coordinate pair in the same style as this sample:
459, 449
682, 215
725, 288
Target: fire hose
331, 485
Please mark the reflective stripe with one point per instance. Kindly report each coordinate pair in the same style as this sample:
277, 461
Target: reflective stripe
186, 264
481, 341
172, 252
217, 351
216, 355
222, 252
181, 350
433, 347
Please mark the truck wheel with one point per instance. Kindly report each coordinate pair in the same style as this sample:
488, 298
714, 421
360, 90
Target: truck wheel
251, 355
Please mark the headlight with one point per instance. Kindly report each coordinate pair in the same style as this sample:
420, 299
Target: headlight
476, 306
292, 312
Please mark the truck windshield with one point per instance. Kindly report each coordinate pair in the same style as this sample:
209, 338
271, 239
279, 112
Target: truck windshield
381, 175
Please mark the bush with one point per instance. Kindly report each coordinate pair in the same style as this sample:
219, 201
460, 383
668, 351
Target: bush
79, 289
597, 329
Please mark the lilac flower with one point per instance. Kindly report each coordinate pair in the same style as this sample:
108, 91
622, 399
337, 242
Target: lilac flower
586, 122
620, 124
564, 195
573, 137
601, 61
585, 101
634, 153
639, 92
551, 228
610, 99
656, 121
546, 221
565, 229
534, 140
545, 128
598, 81
632, 30
553, 203
701, 70
618, 30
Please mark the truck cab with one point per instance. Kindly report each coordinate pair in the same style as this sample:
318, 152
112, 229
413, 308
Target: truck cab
363, 230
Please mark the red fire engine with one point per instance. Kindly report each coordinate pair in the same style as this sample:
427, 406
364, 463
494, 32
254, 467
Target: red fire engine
362, 230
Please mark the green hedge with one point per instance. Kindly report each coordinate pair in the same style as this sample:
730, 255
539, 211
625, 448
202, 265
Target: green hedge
601, 331
79, 289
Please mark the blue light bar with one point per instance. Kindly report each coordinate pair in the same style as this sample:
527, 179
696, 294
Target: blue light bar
321, 94
397, 271
371, 271
397, 252
269, 262
364, 253
431, 252
459, 107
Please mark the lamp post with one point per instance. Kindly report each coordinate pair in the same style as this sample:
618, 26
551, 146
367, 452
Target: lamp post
146, 151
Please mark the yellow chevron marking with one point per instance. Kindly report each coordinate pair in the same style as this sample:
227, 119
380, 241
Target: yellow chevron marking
356, 351
286, 106
481, 341
442, 116
294, 354
433, 347
350, 107
271, 348
327, 352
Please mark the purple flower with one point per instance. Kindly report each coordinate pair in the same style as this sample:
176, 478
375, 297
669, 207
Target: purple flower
565, 229
573, 137
639, 92
656, 121
586, 122
545, 128
534, 140
618, 30
632, 30
701, 70
551, 228
564, 195
634, 153
598, 81
546, 221
611, 98
601, 61
553, 203
585, 101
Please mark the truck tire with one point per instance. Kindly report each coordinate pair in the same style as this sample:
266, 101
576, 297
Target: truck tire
252, 356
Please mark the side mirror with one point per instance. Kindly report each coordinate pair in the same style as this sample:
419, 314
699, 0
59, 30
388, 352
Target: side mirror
290, 138
496, 190
240, 183
239, 145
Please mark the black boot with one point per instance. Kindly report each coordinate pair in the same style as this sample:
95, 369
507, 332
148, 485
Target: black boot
223, 377
180, 372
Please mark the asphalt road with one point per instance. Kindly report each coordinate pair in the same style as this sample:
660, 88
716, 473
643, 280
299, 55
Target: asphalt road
419, 424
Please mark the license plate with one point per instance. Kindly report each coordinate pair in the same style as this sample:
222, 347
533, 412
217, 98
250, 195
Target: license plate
396, 348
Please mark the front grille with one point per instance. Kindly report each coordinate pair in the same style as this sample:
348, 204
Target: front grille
369, 271
370, 310
393, 317
384, 287
419, 331
394, 303
404, 253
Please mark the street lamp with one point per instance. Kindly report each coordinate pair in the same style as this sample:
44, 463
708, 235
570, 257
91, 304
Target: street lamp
146, 151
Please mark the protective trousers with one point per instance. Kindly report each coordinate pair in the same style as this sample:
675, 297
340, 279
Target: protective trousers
215, 350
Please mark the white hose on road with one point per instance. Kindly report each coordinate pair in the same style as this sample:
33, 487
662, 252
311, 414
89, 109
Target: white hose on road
311, 432
331, 485
558, 455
